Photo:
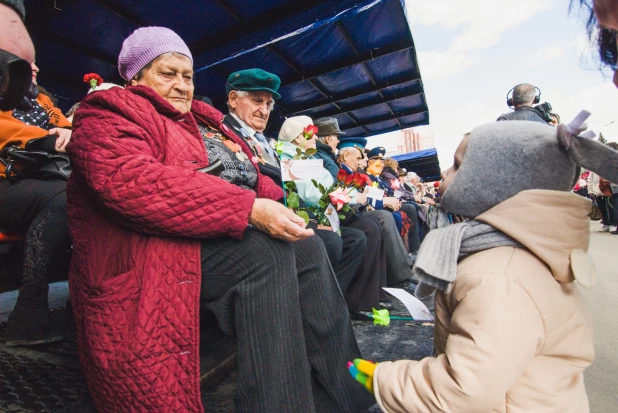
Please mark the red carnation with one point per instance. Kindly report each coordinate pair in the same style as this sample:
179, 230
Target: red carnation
93, 80
359, 180
341, 175
348, 181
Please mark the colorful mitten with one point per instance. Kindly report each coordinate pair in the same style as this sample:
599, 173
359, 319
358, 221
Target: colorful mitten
362, 371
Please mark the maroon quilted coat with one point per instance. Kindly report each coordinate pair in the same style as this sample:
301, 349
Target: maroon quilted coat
137, 209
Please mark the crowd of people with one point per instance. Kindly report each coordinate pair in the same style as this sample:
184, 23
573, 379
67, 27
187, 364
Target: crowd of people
173, 207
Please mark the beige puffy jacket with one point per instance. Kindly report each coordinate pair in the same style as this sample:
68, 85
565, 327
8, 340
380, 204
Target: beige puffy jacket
513, 335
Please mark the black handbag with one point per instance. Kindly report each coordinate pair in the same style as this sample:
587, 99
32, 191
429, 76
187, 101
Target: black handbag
35, 164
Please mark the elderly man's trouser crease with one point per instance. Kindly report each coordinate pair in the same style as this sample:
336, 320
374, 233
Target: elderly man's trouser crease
294, 334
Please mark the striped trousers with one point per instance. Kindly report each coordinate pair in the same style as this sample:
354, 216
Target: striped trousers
282, 302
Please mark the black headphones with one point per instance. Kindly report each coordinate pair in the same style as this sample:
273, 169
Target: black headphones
509, 100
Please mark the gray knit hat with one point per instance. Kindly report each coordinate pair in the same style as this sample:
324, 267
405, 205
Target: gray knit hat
505, 158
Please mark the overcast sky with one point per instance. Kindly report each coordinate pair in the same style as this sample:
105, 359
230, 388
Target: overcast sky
472, 52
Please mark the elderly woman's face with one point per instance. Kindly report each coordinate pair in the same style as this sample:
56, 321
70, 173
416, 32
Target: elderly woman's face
305, 143
171, 76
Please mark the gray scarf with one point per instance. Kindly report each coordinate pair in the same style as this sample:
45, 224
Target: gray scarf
442, 248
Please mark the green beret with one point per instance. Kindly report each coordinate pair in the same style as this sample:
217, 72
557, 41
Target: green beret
254, 80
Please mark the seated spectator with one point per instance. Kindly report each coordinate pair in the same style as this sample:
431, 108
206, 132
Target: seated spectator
251, 97
391, 177
36, 208
326, 145
362, 288
351, 158
155, 233
293, 137
102, 86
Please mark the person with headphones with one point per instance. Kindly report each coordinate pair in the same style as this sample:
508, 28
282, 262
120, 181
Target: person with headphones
524, 96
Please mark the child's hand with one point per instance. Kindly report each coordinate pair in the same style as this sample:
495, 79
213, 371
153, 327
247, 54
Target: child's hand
362, 371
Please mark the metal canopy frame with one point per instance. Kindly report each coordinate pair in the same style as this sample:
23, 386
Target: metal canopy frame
424, 163
367, 46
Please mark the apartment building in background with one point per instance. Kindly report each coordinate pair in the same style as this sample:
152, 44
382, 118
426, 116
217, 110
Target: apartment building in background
412, 140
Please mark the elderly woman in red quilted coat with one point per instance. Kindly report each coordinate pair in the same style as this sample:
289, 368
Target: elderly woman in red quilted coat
155, 234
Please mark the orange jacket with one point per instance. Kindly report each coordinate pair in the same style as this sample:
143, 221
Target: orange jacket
16, 132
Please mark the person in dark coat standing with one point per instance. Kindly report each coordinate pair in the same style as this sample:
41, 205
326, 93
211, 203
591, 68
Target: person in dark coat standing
328, 139
523, 99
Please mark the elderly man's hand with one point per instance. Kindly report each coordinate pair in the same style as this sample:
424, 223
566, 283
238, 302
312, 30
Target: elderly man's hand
64, 136
277, 221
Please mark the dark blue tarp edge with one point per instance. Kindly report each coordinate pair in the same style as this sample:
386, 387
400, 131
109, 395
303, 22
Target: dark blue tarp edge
359, 8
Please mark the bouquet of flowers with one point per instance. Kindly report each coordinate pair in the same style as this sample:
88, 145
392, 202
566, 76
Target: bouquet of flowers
337, 196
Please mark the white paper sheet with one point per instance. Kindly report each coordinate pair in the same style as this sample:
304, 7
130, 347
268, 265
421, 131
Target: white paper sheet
333, 217
301, 170
417, 309
578, 121
398, 194
376, 194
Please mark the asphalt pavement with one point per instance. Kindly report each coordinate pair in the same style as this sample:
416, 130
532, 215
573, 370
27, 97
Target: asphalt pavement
602, 377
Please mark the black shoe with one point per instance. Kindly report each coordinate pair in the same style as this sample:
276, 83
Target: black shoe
614, 232
409, 285
361, 315
30, 322
386, 305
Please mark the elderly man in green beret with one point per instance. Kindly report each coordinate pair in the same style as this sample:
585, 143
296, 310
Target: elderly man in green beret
251, 97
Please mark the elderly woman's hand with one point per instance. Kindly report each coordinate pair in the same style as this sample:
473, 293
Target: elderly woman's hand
277, 221
64, 136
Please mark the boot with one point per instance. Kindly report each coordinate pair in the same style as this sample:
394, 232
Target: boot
30, 322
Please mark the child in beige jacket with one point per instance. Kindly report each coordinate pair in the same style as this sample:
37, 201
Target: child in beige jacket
512, 333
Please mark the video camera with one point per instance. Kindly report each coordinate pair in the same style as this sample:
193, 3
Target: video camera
16, 87
544, 109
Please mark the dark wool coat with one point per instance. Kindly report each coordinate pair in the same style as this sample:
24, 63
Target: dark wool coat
137, 210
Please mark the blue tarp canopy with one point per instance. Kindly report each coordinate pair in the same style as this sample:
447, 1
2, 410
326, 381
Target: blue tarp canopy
354, 60
425, 163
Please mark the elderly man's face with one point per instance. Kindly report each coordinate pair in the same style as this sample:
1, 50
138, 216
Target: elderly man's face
171, 76
252, 107
363, 162
352, 159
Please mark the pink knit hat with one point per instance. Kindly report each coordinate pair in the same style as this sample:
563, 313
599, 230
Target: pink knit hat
144, 45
